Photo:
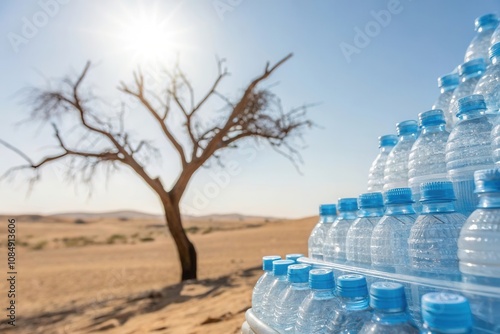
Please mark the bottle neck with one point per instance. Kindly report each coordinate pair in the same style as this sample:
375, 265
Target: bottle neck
407, 137
394, 316
472, 114
355, 303
386, 149
327, 219
348, 214
489, 200
438, 207
466, 76
428, 330
445, 89
323, 293
399, 209
300, 285
433, 128
371, 212
495, 60
487, 27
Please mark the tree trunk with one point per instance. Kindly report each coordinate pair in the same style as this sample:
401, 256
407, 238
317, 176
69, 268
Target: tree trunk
185, 249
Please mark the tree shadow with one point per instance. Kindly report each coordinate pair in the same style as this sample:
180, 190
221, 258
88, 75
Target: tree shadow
117, 311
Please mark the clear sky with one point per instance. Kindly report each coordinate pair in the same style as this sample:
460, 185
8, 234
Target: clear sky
363, 87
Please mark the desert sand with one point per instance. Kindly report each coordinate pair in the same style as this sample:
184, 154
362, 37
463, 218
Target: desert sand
119, 273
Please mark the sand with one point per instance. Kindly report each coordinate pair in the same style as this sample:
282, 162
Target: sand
121, 275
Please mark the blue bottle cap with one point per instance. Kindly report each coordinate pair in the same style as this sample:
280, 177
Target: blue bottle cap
494, 50
448, 80
267, 262
398, 196
387, 296
446, 311
387, 140
298, 273
371, 200
293, 257
321, 279
348, 204
471, 103
431, 117
352, 286
328, 210
487, 180
280, 267
486, 20
472, 66
407, 127
437, 191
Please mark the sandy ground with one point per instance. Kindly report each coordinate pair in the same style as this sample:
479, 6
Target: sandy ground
121, 276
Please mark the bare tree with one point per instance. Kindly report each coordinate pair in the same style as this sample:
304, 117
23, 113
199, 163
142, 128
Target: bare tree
257, 113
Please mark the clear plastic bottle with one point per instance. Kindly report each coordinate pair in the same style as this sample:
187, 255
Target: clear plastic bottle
432, 245
354, 310
327, 215
479, 246
279, 283
495, 37
389, 242
396, 167
318, 305
371, 209
445, 313
447, 84
389, 316
335, 241
470, 73
376, 173
294, 257
489, 85
468, 149
287, 304
263, 283
427, 157
485, 26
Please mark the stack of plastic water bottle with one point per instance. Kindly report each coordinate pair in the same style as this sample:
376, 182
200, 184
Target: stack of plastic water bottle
420, 251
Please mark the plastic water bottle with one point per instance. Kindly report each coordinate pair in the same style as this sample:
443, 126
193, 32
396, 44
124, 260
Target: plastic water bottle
279, 283
468, 149
396, 167
470, 73
389, 242
334, 249
354, 310
446, 313
318, 305
479, 246
389, 316
447, 84
427, 157
485, 26
495, 38
489, 85
479, 243
294, 257
376, 174
327, 215
371, 209
433, 238
263, 284
287, 304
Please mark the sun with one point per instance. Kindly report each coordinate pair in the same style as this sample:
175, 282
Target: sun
148, 37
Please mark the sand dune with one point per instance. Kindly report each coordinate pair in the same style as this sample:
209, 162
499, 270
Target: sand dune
121, 276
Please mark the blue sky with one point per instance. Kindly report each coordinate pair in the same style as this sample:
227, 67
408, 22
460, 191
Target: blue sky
390, 78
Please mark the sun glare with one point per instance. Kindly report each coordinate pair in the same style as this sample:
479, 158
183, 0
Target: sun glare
145, 36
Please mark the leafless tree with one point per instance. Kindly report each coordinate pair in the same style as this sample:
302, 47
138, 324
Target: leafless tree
256, 113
